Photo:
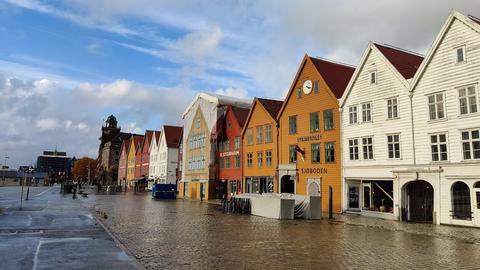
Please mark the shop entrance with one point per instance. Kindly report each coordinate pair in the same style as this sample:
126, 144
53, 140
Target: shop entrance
476, 206
419, 202
287, 184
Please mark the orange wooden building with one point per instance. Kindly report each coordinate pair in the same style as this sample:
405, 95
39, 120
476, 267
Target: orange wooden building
259, 147
309, 132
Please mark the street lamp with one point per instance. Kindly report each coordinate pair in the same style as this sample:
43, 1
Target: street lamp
4, 167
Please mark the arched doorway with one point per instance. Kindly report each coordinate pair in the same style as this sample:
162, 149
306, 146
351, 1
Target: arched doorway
476, 206
419, 202
461, 204
287, 184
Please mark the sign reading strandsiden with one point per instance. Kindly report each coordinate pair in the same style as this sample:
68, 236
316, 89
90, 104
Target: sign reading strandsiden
309, 138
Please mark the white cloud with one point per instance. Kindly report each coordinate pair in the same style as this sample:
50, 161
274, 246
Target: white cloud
233, 92
47, 123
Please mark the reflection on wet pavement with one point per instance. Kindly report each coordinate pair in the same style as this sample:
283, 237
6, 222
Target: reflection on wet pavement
186, 234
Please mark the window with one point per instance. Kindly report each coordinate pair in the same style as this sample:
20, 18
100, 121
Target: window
367, 112
292, 124
237, 161
367, 144
392, 108
259, 159
461, 206
439, 147
352, 113
468, 100
460, 53
268, 158
259, 134
222, 163
328, 119
393, 142
329, 152
268, 134
315, 87
249, 160
435, 106
237, 142
471, 144
315, 148
373, 77
353, 149
314, 122
227, 162
197, 123
292, 149
250, 136
299, 93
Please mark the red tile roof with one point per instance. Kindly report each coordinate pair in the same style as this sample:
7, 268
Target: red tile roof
241, 114
272, 106
335, 75
137, 140
173, 135
405, 62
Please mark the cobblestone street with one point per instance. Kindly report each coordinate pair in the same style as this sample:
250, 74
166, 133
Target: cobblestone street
185, 234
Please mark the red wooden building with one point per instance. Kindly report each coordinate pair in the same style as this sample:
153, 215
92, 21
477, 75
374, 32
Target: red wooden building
145, 153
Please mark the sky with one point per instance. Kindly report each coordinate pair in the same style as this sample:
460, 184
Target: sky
65, 66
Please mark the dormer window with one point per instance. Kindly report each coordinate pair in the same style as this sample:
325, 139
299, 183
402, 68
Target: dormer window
373, 77
460, 52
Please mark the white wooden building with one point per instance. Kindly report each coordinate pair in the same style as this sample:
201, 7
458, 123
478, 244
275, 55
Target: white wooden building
446, 122
377, 130
168, 154
154, 165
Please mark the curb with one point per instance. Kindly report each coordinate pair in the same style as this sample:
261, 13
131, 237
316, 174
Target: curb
118, 242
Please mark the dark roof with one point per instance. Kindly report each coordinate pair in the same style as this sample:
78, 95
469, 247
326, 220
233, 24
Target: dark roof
473, 18
335, 75
240, 114
126, 145
137, 140
271, 105
172, 135
407, 63
157, 135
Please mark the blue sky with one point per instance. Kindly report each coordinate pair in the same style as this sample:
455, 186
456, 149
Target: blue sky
66, 65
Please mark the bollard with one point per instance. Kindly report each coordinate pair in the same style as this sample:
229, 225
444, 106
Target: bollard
28, 191
330, 203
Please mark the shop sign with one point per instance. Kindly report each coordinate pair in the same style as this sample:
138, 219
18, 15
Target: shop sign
315, 137
230, 153
314, 170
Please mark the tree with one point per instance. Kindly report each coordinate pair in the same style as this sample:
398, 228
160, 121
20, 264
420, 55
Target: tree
83, 165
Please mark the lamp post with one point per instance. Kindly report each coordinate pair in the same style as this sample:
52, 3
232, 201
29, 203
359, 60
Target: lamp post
4, 167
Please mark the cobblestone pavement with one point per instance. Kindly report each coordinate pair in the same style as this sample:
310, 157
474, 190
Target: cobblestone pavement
185, 234
54, 232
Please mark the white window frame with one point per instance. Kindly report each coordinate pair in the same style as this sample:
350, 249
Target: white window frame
393, 142
374, 73
353, 111
464, 52
467, 97
470, 141
363, 148
396, 106
436, 103
366, 112
353, 149
438, 144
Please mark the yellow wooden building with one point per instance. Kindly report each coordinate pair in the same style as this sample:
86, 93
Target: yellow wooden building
135, 140
259, 147
309, 133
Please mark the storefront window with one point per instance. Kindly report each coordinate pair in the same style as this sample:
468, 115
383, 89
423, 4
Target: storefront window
353, 197
461, 201
378, 196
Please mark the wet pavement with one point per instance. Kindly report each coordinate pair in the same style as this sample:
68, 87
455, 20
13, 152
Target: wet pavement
186, 234
54, 232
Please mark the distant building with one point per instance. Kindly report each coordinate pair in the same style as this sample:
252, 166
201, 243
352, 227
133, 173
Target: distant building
109, 151
56, 164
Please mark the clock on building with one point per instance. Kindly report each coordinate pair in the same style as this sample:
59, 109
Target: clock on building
307, 87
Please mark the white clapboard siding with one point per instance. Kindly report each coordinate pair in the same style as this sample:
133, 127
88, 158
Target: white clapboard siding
388, 85
444, 74
153, 162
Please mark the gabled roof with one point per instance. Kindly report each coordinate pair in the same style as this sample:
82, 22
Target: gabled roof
218, 99
406, 63
470, 21
126, 144
240, 114
336, 75
172, 135
272, 106
137, 140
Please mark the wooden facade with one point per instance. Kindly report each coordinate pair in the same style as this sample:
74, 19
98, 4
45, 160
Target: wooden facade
309, 133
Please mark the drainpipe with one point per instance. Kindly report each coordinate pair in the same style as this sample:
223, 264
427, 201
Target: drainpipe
277, 125
410, 95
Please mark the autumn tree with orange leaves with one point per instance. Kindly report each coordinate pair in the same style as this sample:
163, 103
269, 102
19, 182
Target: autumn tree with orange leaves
80, 169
